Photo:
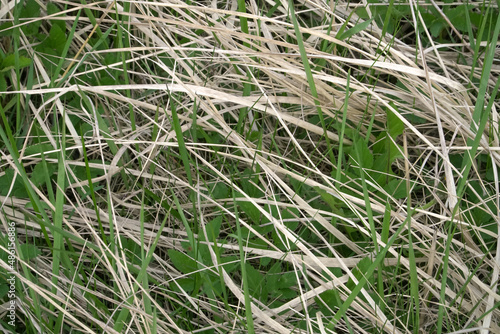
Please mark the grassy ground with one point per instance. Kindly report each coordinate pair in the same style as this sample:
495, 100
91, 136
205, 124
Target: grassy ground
250, 166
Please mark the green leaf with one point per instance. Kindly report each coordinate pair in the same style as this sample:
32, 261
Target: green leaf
365, 155
182, 262
80, 172
288, 293
6, 29
359, 271
396, 188
249, 209
29, 251
3, 83
264, 261
230, 263
394, 124
255, 282
362, 13
287, 280
18, 189
4, 287
9, 63
42, 206
386, 148
327, 302
457, 17
290, 213
354, 30
476, 19
414, 119
31, 9
56, 39
220, 191
332, 202
436, 27
39, 148
52, 8
38, 175
254, 276
299, 187
110, 58
186, 284
272, 277
213, 230
248, 179
394, 152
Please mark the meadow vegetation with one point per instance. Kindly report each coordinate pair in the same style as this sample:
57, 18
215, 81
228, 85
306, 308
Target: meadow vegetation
259, 166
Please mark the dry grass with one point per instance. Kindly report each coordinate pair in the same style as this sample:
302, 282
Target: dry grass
118, 107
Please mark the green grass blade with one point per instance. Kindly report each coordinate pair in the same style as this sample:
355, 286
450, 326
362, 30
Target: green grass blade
482, 114
309, 75
244, 276
58, 248
180, 141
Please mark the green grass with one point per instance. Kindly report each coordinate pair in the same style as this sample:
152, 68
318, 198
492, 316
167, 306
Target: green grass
258, 167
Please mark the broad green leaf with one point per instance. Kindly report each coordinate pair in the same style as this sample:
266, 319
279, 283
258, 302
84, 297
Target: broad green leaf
230, 263
362, 13
327, 302
31, 9
475, 19
213, 228
182, 262
9, 62
6, 29
436, 27
332, 202
40, 148
365, 155
53, 9
248, 208
299, 187
254, 276
456, 16
57, 38
287, 280
80, 172
395, 126
38, 176
132, 250
272, 277
42, 206
256, 282
247, 184
185, 284
264, 261
288, 293
396, 188
220, 191
18, 189
110, 58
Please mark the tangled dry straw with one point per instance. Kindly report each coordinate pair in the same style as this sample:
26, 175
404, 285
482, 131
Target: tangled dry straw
197, 58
